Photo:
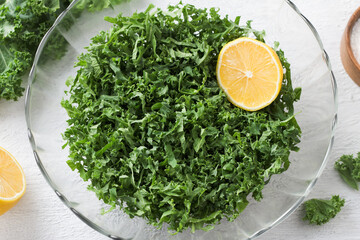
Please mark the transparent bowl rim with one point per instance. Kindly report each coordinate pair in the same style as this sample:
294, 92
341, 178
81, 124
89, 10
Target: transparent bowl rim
102, 230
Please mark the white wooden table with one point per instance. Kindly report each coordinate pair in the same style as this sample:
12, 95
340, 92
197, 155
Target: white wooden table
40, 215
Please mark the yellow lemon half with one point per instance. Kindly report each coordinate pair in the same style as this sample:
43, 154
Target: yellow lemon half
12, 181
250, 73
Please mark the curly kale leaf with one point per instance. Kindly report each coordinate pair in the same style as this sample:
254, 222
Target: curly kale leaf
348, 167
152, 131
97, 5
12, 65
23, 23
320, 211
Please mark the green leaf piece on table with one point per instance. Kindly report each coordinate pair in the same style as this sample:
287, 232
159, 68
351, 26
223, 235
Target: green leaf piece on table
321, 211
348, 168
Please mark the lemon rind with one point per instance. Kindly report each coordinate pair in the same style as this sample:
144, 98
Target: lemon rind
21, 193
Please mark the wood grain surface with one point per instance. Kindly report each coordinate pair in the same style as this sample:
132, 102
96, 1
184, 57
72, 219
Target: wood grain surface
40, 215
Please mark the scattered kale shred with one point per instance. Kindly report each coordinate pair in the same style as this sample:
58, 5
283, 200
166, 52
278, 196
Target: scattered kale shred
152, 132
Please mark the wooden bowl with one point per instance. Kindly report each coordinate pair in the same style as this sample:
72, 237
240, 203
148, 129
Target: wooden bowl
351, 65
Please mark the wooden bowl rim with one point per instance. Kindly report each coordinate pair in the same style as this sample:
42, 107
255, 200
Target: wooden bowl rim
354, 18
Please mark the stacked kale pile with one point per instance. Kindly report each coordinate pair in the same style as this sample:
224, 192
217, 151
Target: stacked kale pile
155, 135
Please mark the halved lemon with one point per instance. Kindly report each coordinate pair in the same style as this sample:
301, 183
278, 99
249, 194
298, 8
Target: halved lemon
12, 181
250, 73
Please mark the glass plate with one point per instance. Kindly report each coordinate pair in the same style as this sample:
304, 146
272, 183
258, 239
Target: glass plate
317, 109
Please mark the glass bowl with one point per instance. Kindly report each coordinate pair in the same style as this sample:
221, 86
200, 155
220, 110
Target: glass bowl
316, 110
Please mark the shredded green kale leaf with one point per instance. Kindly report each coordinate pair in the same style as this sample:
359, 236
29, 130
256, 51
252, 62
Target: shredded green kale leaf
348, 167
320, 211
153, 133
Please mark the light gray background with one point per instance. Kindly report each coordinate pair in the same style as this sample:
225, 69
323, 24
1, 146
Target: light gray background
40, 215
